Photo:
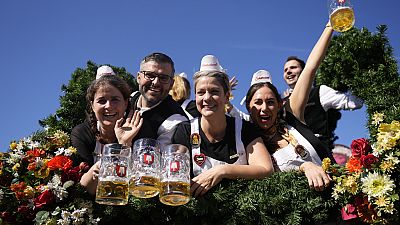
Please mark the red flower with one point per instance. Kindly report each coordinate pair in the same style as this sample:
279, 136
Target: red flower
59, 162
360, 147
47, 197
71, 174
353, 165
368, 160
8, 217
36, 152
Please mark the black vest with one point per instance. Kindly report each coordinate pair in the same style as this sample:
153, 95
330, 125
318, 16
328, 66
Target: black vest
154, 117
321, 122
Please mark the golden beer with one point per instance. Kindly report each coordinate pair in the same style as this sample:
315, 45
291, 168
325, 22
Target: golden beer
174, 193
342, 19
144, 187
112, 193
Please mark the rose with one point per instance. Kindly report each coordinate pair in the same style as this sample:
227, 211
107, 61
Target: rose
368, 160
360, 147
71, 174
47, 197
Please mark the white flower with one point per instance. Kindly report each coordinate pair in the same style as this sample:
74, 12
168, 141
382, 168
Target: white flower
60, 151
392, 158
56, 180
376, 185
60, 193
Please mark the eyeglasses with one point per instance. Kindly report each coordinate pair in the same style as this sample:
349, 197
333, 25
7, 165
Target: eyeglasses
149, 75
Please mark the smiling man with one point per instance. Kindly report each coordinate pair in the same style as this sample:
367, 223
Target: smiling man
322, 109
159, 111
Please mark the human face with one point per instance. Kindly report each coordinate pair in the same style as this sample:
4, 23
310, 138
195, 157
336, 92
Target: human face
291, 72
152, 90
264, 108
210, 96
108, 105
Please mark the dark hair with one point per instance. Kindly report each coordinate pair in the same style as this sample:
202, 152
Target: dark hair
221, 77
159, 58
301, 62
256, 87
104, 80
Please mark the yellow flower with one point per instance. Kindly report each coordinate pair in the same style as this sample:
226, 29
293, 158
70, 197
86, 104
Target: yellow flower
387, 166
29, 192
13, 145
326, 163
350, 183
382, 201
72, 150
377, 118
16, 166
43, 172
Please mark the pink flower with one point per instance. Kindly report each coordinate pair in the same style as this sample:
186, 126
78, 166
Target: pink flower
360, 147
349, 212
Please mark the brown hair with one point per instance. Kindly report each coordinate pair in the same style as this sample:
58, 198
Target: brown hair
301, 62
256, 87
104, 80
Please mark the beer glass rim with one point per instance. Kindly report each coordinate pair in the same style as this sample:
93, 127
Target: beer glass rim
175, 149
153, 142
124, 150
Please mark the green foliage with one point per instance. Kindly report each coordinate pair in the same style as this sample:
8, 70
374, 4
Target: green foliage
284, 198
73, 104
363, 62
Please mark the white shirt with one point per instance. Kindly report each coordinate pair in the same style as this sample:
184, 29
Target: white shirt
332, 99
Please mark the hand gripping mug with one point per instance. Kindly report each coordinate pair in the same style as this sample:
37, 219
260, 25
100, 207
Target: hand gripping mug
112, 188
341, 15
175, 175
145, 177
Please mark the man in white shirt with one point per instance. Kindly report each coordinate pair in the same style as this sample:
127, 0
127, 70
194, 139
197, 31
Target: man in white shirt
322, 110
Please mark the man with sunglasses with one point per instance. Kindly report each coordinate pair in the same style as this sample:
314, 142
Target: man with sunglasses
159, 111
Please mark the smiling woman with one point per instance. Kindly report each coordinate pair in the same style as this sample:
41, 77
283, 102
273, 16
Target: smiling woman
108, 100
222, 147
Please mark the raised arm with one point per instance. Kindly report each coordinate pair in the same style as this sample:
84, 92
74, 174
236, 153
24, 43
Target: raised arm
298, 100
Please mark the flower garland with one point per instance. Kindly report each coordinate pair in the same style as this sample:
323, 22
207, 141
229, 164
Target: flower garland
368, 185
36, 179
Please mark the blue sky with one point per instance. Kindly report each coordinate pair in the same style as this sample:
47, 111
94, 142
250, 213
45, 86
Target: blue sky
42, 42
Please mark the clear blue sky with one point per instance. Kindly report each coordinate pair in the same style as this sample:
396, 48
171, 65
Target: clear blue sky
43, 42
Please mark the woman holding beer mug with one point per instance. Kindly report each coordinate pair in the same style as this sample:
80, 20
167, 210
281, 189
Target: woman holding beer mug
107, 99
290, 142
221, 146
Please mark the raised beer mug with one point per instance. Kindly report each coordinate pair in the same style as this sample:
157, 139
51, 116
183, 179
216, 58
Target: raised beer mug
113, 185
145, 178
341, 15
175, 175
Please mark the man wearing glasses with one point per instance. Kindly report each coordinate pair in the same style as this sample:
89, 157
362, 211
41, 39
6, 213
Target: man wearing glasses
159, 111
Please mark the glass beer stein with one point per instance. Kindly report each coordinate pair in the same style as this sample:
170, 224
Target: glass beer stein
341, 15
112, 188
175, 175
145, 179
